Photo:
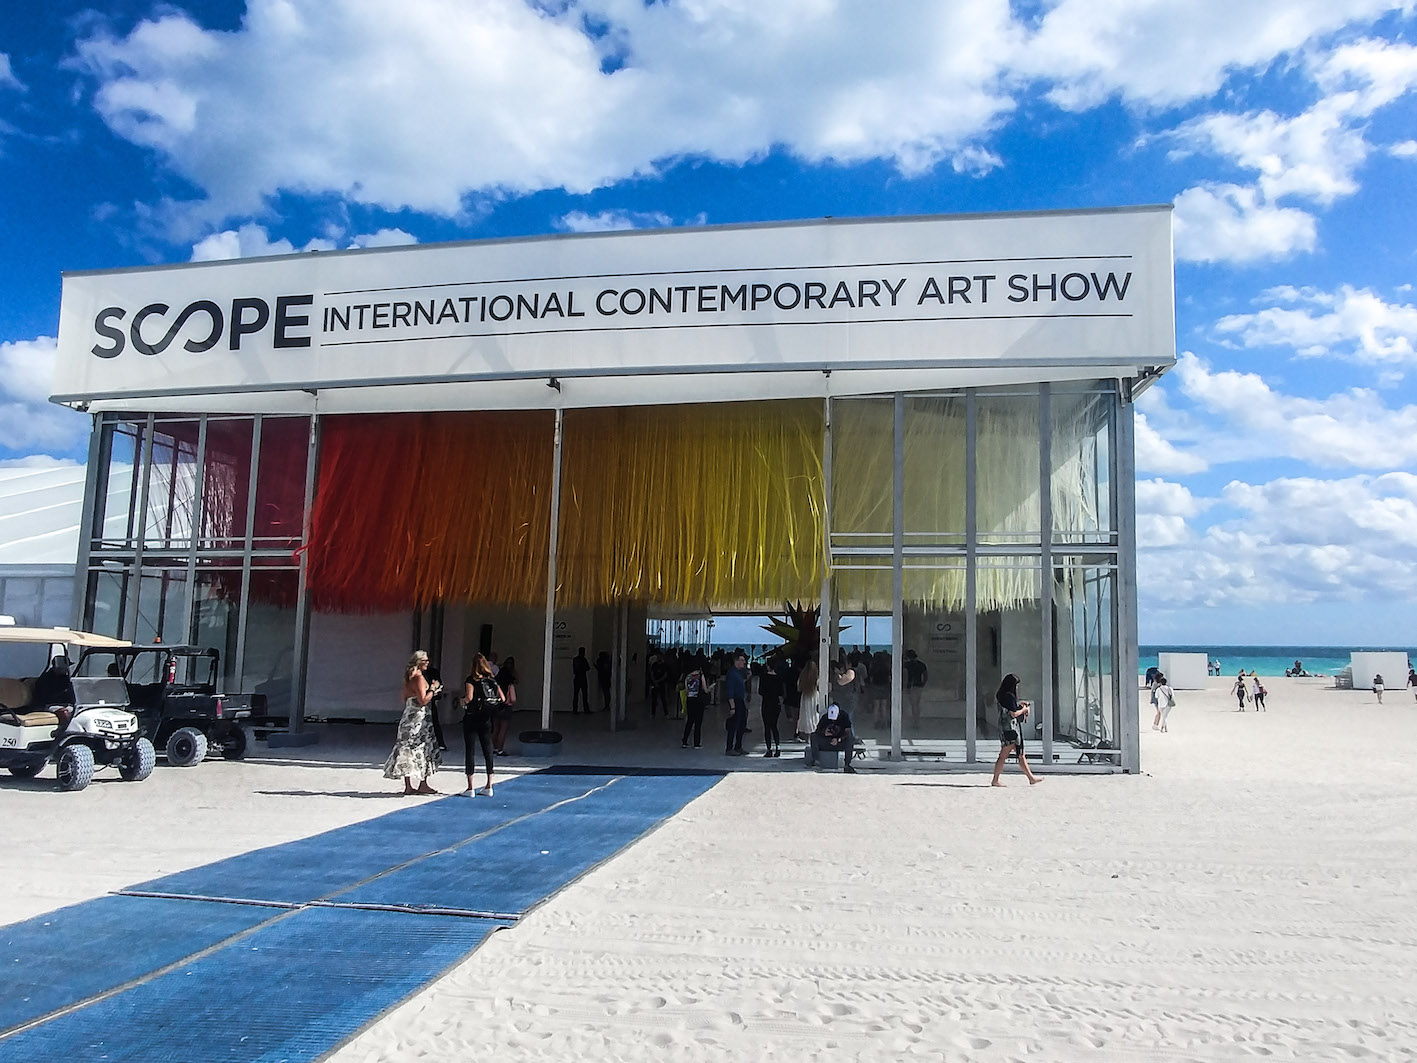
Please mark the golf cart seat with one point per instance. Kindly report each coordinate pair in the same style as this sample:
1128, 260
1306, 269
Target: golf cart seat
15, 694
40, 718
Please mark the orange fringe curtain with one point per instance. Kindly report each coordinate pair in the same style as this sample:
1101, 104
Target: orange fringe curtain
693, 505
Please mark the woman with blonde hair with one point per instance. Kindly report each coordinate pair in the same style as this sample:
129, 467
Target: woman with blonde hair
415, 753
483, 697
811, 707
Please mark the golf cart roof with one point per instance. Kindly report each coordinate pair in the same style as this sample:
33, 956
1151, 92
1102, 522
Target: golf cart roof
68, 636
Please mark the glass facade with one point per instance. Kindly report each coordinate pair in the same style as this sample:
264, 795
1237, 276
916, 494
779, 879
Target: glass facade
987, 530
196, 532
999, 507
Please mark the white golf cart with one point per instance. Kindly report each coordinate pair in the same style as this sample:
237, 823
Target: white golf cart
97, 730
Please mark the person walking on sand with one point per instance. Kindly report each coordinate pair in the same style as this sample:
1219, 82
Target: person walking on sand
1153, 680
415, 754
1012, 713
1378, 687
1165, 700
695, 699
1412, 680
483, 696
1239, 690
736, 723
1258, 693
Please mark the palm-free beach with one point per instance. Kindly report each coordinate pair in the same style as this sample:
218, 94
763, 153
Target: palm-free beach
1249, 895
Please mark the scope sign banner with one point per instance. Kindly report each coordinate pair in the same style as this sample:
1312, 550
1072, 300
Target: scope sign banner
928, 292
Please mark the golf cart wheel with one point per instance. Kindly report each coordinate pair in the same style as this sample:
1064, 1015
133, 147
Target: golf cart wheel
233, 746
75, 768
27, 769
138, 765
186, 747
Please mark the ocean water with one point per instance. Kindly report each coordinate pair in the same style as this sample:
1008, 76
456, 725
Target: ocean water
1271, 660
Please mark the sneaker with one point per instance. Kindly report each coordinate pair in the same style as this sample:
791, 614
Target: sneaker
768, 753
683, 745
849, 770
486, 791
696, 745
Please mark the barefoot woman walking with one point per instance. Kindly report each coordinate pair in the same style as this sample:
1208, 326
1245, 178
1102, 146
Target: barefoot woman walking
1012, 713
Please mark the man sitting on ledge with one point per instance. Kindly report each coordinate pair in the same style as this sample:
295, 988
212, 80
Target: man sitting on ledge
833, 735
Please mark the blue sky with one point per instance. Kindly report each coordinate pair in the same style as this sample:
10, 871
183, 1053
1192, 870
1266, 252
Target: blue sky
1277, 489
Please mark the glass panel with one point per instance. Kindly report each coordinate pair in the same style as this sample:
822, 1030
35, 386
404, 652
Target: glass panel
934, 679
270, 636
162, 602
863, 464
116, 501
172, 485
1006, 458
1010, 639
1086, 712
226, 482
1081, 457
280, 481
57, 603
104, 611
216, 611
934, 469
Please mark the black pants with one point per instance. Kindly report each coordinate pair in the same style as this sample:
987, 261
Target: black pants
771, 711
694, 720
479, 727
817, 744
580, 694
656, 697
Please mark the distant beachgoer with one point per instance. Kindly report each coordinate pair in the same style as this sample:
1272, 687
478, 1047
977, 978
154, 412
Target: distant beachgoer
1153, 680
810, 706
1378, 687
1258, 693
771, 686
415, 754
1239, 690
1412, 680
1012, 713
735, 725
1165, 700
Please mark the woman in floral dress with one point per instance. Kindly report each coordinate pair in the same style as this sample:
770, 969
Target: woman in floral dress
416, 754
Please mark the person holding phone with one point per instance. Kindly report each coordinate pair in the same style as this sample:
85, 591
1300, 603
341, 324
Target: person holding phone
1012, 714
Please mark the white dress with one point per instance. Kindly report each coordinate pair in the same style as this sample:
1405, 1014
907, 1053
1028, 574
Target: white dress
416, 750
810, 713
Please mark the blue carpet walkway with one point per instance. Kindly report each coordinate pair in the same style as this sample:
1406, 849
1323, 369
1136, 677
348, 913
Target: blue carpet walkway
282, 954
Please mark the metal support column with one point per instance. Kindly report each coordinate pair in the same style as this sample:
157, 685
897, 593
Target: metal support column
199, 499
95, 481
971, 578
552, 536
826, 622
1124, 638
300, 659
898, 577
1048, 709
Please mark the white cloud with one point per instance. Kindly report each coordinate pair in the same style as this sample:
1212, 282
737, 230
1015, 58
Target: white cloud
1156, 454
31, 421
1405, 149
1160, 53
253, 241
1353, 428
418, 104
578, 221
1351, 323
8, 80
1232, 223
1293, 540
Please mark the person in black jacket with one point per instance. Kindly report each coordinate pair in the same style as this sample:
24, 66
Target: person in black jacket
53, 686
833, 733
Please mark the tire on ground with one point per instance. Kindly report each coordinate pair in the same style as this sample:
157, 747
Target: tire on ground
74, 770
138, 765
185, 747
233, 746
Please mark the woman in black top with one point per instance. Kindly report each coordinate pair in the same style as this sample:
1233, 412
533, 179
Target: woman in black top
1012, 714
483, 697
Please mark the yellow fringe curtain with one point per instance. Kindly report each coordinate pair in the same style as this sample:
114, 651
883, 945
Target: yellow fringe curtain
710, 505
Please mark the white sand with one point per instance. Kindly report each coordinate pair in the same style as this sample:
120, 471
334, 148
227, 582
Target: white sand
1253, 894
